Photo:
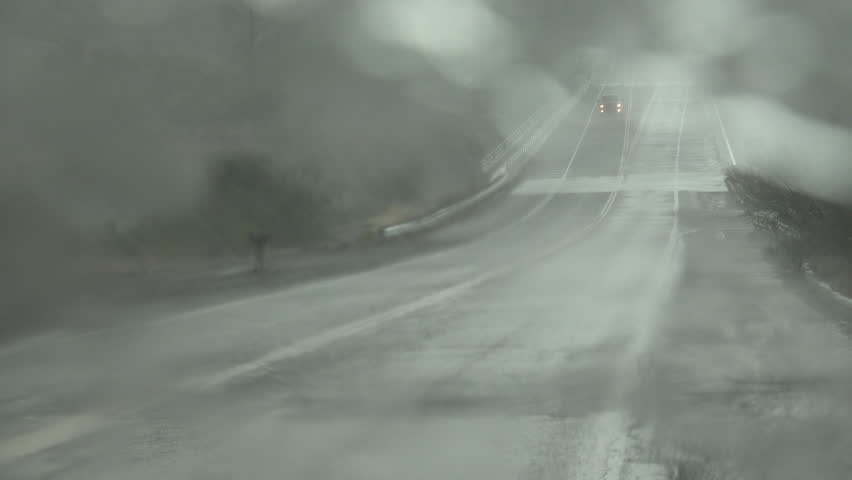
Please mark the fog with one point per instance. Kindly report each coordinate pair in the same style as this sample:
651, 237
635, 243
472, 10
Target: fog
112, 109
112, 106
107, 101
112, 112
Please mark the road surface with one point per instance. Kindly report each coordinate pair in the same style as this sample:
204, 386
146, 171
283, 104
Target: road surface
614, 317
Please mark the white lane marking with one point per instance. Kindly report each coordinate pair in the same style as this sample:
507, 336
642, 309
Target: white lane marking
328, 282
639, 128
331, 336
725, 135
602, 447
66, 431
645, 471
549, 127
531, 146
628, 144
677, 160
324, 339
811, 275
328, 337
649, 84
81, 425
538, 135
521, 131
626, 140
344, 331
642, 182
626, 151
619, 462
540, 206
56, 433
582, 136
612, 442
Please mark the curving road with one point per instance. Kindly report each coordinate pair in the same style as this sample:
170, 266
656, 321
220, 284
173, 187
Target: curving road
614, 317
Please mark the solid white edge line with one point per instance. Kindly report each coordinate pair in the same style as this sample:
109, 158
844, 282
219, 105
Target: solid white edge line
677, 160
341, 332
725, 135
626, 141
564, 175
284, 294
329, 337
582, 136
537, 137
57, 432
497, 152
819, 282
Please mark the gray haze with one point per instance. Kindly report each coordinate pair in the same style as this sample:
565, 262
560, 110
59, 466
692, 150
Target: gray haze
111, 106
615, 295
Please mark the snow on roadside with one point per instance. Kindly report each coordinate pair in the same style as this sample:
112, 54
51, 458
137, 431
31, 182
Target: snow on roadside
812, 277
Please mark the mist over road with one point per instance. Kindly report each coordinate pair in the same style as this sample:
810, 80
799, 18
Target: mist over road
612, 317
613, 314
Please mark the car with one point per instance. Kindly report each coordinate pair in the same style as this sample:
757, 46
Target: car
611, 104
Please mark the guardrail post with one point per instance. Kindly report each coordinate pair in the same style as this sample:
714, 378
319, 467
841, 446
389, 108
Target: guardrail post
259, 241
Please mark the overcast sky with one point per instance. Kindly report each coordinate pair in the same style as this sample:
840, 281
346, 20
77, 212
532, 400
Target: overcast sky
80, 120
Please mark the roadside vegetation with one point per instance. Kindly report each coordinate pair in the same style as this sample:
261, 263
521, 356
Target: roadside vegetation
42, 259
806, 230
171, 149
138, 141
297, 203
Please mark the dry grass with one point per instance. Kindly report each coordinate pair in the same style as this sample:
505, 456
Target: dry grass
805, 228
396, 213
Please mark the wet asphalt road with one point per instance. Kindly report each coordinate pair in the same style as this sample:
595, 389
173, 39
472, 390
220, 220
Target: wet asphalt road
614, 317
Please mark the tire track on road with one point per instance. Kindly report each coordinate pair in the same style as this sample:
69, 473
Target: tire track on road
329, 337
324, 339
662, 283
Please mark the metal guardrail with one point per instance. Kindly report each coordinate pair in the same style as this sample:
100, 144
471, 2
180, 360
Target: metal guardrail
503, 155
495, 155
435, 218
825, 288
